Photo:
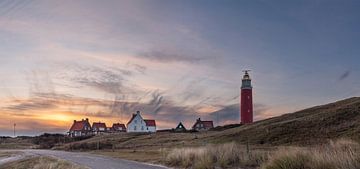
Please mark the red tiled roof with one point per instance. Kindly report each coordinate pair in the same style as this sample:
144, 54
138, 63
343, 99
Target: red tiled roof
79, 125
98, 125
118, 125
150, 122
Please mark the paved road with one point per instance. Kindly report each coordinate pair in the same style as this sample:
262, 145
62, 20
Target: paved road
93, 161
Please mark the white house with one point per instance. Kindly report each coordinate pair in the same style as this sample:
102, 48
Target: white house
138, 124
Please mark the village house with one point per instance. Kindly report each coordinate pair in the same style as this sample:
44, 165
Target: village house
99, 127
180, 128
80, 128
138, 124
117, 127
202, 125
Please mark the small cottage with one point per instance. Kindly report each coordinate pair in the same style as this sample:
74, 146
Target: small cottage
202, 125
138, 124
117, 127
80, 128
99, 127
180, 128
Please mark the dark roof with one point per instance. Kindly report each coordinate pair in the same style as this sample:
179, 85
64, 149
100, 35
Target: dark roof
79, 125
206, 124
98, 125
150, 122
132, 118
180, 126
118, 125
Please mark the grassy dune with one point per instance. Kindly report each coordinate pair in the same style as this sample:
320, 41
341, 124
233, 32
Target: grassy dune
341, 154
211, 156
40, 163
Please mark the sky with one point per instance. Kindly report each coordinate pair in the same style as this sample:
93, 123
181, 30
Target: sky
173, 60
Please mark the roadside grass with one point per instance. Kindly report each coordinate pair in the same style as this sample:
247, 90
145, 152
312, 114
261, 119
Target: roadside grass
41, 162
4, 154
148, 156
15, 143
227, 155
341, 154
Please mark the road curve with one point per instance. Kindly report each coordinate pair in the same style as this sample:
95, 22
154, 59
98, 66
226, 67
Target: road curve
93, 161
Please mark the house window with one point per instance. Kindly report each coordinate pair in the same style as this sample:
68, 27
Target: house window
135, 121
134, 127
147, 128
142, 127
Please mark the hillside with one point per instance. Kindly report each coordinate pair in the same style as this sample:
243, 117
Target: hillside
308, 126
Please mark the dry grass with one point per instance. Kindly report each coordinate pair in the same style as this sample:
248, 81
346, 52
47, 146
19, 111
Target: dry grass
40, 163
148, 156
4, 154
212, 156
342, 154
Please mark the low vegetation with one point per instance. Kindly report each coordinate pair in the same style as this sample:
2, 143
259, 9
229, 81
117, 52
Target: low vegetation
15, 143
343, 154
213, 156
40, 163
4, 154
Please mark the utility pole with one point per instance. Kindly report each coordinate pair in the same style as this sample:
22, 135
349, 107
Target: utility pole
14, 130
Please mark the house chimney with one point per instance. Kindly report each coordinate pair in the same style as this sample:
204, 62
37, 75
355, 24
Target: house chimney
198, 119
87, 119
137, 112
74, 121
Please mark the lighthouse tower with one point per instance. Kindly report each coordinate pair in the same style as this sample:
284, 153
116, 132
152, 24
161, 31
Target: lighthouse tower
246, 105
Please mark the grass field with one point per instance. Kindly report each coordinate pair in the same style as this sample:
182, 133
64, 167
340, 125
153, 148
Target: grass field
6, 154
15, 143
40, 163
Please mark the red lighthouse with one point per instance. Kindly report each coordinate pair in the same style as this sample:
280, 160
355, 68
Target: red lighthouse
246, 105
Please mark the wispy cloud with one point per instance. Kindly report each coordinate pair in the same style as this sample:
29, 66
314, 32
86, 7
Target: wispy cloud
167, 56
344, 75
109, 80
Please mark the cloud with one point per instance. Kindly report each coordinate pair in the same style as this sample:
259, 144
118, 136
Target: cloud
344, 75
231, 113
109, 80
168, 57
31, 105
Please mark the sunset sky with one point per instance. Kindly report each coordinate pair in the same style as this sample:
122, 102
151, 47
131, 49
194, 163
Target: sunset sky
173, 60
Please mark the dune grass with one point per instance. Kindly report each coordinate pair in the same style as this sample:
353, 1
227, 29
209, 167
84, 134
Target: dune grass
215, 156
41, 163
341, 154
